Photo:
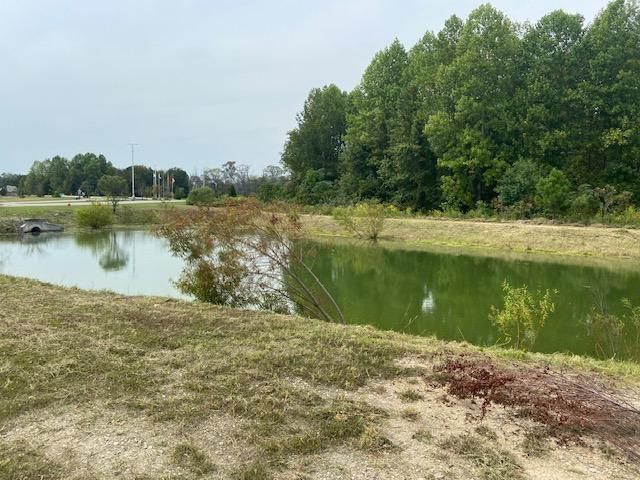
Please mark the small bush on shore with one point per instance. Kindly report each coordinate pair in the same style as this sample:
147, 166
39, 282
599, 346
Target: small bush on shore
95, 216
364, 220
523, 315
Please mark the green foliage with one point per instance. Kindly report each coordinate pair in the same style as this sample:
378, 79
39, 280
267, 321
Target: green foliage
629, 217
523, 315
518, 184
94, 216
203, 196
316, 141
553, 192
615, 335
179, 193
315, 189
516, 117
585, 204
364, 220
270, 192
112, 187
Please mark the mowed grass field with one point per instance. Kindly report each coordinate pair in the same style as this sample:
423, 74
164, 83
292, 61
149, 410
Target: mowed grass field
99, 385
520, 237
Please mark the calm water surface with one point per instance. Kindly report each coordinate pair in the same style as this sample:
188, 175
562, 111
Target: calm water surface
449, 295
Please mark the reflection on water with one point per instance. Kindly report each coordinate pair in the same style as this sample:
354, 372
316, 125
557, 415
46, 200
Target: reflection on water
105, 246
130, 262
444, 294
450, 295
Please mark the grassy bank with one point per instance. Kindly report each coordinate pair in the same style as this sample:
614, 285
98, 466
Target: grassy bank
99, 385
140, 213
516, 237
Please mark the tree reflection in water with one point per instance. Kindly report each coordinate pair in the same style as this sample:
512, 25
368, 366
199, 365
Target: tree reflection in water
104, 245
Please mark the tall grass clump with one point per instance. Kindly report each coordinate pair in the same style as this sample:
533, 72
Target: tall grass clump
95, 216
615, 336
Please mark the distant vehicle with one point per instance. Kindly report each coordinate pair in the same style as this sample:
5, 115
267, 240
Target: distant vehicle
37, 225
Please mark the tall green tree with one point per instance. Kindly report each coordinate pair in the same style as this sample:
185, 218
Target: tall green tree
547, 101
365, 164
316, 142
473, 133
610, 97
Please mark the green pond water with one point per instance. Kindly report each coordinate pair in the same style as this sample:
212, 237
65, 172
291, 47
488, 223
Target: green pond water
420, 292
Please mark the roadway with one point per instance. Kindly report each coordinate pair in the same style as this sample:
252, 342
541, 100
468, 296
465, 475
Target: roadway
74, 202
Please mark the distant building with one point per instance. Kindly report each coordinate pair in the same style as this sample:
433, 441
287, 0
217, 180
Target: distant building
12, 191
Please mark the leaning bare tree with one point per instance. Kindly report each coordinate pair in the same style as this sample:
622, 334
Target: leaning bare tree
243, 256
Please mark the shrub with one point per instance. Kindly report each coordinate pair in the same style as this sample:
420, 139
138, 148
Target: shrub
269, 192
518, 184
203, 196
585, 204
552, 192
179, 193
364, 220
523, 315
95, 216
629, 216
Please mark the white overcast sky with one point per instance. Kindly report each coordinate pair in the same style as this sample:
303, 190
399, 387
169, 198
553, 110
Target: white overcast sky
195, 83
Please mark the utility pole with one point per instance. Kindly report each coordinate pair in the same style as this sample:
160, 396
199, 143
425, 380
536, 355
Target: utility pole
133, 178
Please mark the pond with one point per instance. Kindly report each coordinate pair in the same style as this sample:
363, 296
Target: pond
447, 294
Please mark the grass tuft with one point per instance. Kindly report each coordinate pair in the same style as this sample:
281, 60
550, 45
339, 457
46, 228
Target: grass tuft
410, 395
189, 457
492, 463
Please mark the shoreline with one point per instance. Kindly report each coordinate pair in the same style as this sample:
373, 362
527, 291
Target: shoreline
519, 239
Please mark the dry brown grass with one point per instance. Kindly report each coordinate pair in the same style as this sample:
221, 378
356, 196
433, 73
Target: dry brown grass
505, 236
99, 385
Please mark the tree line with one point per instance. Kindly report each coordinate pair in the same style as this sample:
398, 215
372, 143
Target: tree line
485, 114
94, 175
60, 176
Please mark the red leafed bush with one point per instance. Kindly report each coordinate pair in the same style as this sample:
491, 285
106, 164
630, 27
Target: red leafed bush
571, 406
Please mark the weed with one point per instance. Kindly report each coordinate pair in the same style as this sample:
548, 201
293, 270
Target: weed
257, 470
423, 436
95, 216
371, 439
494, 464
410, 414
364, 220
191, 458
410, 395
536, 442
20, 462
486, 432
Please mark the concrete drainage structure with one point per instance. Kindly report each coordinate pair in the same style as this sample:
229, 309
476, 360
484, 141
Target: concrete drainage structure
37, 225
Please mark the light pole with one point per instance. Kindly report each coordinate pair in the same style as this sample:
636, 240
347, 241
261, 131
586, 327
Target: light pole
133, 178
